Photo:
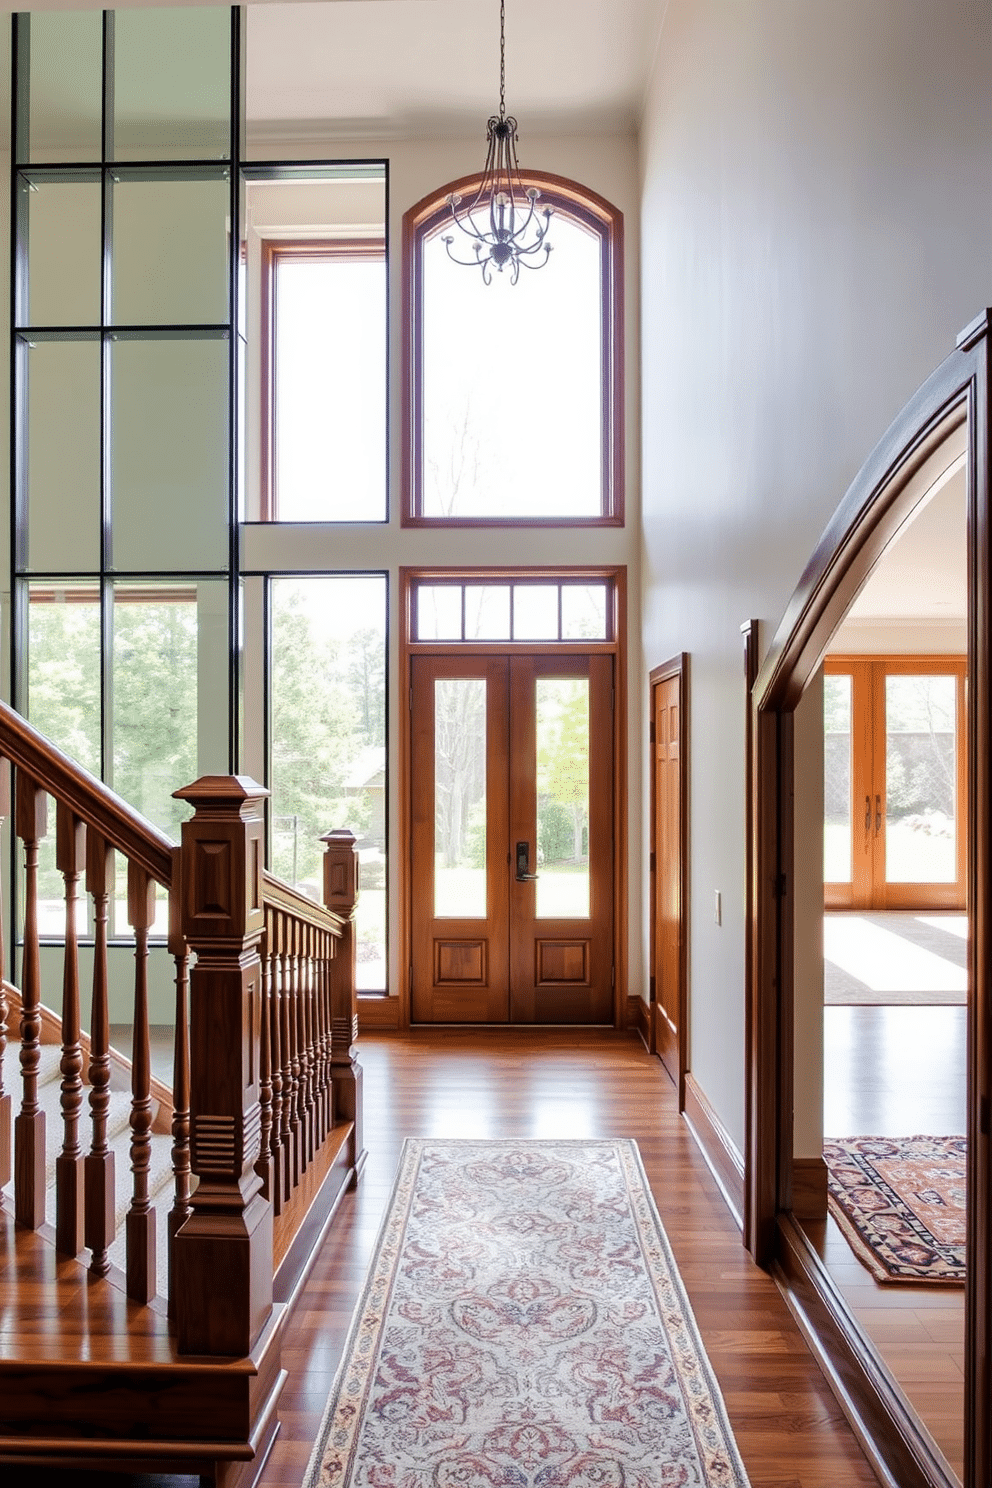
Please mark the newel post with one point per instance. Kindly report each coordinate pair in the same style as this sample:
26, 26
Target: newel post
341, 897
223, 1251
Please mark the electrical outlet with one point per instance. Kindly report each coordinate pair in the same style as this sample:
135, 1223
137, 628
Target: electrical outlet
717, 907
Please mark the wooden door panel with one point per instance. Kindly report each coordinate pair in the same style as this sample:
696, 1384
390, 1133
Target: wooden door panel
667, 847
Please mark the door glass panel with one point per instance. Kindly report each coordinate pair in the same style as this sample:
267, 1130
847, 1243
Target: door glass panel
837, 779
920, 776
562, 720
460, 798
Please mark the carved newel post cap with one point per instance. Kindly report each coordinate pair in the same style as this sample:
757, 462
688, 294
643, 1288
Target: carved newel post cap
340, 871
228, 794
222, 857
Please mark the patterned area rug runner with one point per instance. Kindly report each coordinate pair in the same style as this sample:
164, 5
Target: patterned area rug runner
523, 1326
901, 1204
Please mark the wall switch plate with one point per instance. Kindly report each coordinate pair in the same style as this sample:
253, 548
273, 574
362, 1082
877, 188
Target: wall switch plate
717, 907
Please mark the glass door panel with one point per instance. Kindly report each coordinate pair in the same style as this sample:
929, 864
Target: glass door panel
460, 798
920, 779
837, 778
562, 735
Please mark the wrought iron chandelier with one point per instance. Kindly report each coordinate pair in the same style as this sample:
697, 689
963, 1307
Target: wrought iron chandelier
502, 222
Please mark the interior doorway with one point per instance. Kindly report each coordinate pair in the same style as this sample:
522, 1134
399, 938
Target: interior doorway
512, 851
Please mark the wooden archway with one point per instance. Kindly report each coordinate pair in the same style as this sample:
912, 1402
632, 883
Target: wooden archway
950, 412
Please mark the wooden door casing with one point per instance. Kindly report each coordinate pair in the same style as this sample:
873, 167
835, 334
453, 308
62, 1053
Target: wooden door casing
668, 854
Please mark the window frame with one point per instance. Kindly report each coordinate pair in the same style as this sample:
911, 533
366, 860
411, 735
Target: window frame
305, 250
588, 209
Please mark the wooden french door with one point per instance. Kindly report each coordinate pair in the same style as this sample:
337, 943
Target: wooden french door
894, 782
511, 763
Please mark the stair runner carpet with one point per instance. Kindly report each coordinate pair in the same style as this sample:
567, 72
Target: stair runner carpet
523, 1323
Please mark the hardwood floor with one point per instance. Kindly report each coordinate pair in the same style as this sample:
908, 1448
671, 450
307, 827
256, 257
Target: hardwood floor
567, 1083
895, 1071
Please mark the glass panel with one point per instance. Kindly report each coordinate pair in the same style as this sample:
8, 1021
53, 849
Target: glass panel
329, 407
562, 724
64, 253
535, 612
837, 778
920, 779
583, 612
487, 612
63, 455
499, 440
65, 112
328, 741
439, 612
460, 798
169, 453
170, 251
172, 84
63, 667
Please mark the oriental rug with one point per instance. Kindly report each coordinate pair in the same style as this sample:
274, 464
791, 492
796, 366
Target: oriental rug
900, 1202
523, 1325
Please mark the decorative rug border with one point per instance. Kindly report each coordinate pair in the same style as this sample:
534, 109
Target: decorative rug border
703, 1396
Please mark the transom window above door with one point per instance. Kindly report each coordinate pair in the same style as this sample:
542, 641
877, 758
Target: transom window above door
538, 609
514, 390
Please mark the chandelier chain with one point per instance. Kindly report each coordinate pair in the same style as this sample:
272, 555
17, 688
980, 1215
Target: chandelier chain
502, 59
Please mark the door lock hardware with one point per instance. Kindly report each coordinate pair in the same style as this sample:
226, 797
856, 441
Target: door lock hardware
523, 863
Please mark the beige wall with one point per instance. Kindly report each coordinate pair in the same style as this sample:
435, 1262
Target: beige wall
815, 231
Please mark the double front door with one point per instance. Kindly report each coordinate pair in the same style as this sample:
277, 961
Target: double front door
512, 786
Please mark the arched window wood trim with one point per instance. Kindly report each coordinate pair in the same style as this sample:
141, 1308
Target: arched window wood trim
569, 199
951, 411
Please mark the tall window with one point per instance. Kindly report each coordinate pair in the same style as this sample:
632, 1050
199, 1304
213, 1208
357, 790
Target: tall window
515, 390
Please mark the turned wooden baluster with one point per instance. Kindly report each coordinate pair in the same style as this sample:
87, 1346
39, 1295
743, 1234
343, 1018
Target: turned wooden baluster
98, 1166
6, 1111
323, 1044
264, 1167
224, 1250
341, 896
70, 848
31, 820
140, 1220
286, 1022
292, 994
328, 948
181, 1169
306, 1043
275, 1024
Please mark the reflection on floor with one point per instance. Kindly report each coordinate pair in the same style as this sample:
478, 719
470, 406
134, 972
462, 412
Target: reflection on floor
895, 958
893, 1071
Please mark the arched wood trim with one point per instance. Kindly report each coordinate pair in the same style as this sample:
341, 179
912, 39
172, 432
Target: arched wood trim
949, 411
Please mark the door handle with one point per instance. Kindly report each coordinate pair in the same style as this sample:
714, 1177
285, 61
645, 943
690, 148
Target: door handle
878, 813
523, 863
867, 813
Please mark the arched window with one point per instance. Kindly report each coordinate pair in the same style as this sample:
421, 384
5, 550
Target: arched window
513, 391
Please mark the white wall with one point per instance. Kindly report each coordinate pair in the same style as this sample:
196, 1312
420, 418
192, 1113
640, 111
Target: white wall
815, 231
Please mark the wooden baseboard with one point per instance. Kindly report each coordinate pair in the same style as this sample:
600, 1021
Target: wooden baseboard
900, 1449
809, 1188
378, 1013
713, 1139
639, 1019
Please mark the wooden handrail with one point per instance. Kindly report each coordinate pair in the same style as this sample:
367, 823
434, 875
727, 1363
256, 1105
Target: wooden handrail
96, 804
279, 895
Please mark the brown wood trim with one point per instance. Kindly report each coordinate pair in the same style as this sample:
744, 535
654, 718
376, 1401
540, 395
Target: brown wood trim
639, 1019
809, 1188
751, 641
721, 1153
299, 1228
378, 1014
599, 216
280, 895
899, 1449
675, 666
950, 410
616, 574
307, 250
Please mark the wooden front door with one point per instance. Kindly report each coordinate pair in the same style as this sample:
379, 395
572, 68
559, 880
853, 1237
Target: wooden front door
668, 872
511, 764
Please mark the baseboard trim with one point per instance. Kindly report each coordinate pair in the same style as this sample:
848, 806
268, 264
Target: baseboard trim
714, 1141
809, 1188
900, 1449
378, 1013
638, 1018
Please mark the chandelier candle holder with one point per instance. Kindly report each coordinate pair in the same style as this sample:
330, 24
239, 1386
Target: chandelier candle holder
502, 222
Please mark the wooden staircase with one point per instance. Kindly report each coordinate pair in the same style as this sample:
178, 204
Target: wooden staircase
112, 1355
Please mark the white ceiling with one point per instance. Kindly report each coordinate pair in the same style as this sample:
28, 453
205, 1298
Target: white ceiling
415, 68
922, 576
